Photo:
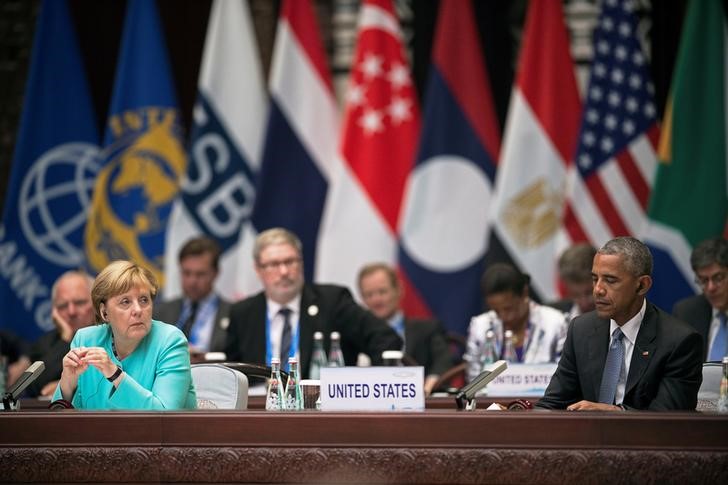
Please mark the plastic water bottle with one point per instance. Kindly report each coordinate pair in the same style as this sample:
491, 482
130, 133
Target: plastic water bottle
723, 396
489, 353
336, 356
318, 358
274, 396
294, 393
3, 373
509, 349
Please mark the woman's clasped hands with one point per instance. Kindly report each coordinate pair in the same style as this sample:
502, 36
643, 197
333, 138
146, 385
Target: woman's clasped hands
77, 361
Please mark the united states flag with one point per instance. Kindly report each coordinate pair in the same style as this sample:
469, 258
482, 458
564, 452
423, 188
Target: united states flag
615, 162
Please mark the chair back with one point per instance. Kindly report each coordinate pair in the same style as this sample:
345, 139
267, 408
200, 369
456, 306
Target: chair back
219, 387
710, 388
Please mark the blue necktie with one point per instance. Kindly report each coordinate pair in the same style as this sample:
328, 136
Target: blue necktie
285, 336
190, 321
612, 368
718, 350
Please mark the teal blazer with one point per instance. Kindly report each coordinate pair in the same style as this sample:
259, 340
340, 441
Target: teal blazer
157, 376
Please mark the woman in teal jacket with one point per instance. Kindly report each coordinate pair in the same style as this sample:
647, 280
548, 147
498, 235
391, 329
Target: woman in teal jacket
129, 361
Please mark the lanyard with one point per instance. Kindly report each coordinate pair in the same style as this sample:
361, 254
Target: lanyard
269, 343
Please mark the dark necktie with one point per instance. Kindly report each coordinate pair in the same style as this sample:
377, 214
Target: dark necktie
187, 327
720, 342
285, 336
612, 368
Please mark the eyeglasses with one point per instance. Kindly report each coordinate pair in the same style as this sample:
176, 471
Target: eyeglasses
717, 279
271, 266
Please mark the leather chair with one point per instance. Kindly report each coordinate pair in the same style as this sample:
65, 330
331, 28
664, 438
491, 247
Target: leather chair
219, 387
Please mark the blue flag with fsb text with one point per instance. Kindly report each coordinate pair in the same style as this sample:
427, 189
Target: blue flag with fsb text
53, 170
143, 156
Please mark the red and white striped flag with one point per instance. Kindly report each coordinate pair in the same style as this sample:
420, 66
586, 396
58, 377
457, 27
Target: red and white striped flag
538, 147
378, 146
616, 160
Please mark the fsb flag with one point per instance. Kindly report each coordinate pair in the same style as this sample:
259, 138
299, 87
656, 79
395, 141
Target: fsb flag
689, 202
301, 141
218, 193
143, 155
444, 231
54, 166
378, 147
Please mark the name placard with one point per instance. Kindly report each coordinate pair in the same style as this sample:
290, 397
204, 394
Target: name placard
372, 388
528, 380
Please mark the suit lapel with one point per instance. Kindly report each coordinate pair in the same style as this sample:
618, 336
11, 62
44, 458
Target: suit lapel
309, 314
644, 348
219, 332
598, 343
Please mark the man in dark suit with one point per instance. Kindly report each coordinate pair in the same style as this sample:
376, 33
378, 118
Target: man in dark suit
651, 361
200, 313
424, 340
280, 321
707, 312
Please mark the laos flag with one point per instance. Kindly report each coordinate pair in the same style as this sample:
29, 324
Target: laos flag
444, 225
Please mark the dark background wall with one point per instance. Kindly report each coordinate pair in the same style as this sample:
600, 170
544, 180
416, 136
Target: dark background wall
99, 25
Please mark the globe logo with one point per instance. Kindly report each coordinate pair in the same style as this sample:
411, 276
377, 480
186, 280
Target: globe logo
54, 200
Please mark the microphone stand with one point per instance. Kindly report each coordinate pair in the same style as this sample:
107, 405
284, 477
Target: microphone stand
465, 397
10, 398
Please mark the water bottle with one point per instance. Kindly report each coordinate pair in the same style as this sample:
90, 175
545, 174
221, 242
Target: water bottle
318, 358
274, 396
489, 352
509, 349
723, 396
3, 373
336, 356
294, 393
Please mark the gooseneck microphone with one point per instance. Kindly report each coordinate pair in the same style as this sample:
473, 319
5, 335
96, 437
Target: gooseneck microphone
465, 398
10, 398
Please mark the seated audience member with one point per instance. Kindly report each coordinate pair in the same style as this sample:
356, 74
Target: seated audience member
575, 265
72, 310
129, 361
424, 340
707, 312
538, 330
12, 347
628, 354
201, 314
280, 321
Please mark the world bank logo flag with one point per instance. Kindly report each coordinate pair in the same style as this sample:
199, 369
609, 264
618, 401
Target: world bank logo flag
54, 165
143, 155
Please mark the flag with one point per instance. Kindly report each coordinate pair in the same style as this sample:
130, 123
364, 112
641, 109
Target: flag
444, 231
615, 161
217, 195
378, 147
54, 166
300, 143
689, 203
538, 146
144, 159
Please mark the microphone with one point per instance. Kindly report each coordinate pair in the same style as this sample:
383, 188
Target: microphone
10, 398
465, 397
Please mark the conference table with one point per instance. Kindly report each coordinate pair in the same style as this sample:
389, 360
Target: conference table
438, 445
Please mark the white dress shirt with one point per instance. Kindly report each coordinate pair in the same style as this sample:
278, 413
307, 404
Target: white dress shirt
630, 331
276, 323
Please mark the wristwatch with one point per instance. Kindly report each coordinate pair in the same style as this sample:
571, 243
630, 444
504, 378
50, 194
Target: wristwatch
115, 375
